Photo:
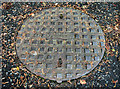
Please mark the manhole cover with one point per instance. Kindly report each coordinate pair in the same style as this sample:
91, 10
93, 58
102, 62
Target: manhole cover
60, 44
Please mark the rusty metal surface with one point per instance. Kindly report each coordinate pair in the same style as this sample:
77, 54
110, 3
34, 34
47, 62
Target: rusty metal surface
60, 43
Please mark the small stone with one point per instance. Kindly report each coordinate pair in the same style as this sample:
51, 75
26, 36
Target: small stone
56, 3
113, 70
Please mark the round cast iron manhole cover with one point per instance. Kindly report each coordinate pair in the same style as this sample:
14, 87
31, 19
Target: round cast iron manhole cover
60, 44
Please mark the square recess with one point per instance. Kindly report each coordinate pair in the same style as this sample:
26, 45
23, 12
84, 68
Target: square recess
87, 50
59, 49
31, 65
78, 66
60, 29
68, 49
32, 48
97, 58
40, 56
26, 41
42, 49
19, 41
50, 42
49, 74
69, 66
49, 65
78, 57
78, 74
87, 58
23, 56
84, 36
88, 66
32, 57
102, 44
86, 43
76, 29
75, 18
39, 65
93, 36
68, 57
76, 35
34, 42
50, 49
101, 37
94, 43
84, 30
68, 75
77, 50
68, 29
59, 75
77, 42
59, 42
49, 56
92, 29
68, 42
96, 50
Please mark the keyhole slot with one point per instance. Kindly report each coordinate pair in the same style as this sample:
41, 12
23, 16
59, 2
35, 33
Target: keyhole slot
59, 62
61, 16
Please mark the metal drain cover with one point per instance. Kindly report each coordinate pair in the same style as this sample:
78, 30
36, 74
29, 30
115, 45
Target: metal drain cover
60, 44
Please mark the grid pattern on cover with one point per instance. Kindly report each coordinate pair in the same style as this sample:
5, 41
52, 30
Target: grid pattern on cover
60, 43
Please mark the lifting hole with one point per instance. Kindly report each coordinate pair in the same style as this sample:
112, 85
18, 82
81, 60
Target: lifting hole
59, 62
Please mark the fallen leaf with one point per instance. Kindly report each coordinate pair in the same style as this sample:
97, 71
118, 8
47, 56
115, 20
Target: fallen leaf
82, 81
113, 50
107, 46
107, 61
112, 54
17, 68
69, 81
105, 84
21, 77
114, 81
